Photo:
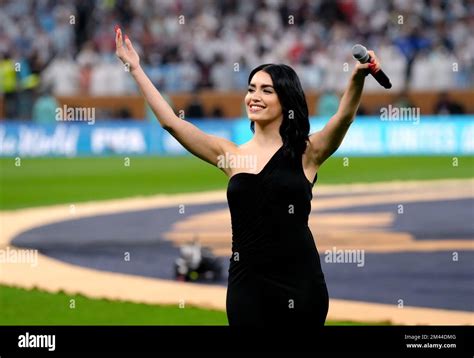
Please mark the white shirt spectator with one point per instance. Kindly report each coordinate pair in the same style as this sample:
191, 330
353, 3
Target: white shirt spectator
63, 76
109, 79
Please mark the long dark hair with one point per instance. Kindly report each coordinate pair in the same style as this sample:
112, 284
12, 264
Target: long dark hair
294, 129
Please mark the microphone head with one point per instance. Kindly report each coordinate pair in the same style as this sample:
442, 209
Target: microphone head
360, 53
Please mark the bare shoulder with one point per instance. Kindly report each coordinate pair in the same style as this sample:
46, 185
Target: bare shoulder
226, 161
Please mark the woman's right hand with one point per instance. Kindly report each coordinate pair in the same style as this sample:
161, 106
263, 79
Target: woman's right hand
125, 51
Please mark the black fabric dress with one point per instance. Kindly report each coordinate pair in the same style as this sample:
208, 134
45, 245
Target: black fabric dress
275, 275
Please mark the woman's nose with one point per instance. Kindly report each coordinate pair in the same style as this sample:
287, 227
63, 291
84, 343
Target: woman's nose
255, 98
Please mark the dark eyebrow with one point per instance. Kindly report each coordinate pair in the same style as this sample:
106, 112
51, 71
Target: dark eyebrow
263, 86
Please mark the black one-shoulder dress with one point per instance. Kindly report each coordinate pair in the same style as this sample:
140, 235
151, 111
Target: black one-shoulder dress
275, 275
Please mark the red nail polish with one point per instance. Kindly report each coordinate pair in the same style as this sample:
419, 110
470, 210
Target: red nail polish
117, 28
372, 67
126, 37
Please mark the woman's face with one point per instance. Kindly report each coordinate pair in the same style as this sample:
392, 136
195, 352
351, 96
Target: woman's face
261, 101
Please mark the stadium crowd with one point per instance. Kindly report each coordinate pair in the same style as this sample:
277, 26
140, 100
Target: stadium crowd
67, 47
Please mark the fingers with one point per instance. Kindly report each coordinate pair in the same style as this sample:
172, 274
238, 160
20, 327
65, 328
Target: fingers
128, 43
363, 68
374, 64
118, 37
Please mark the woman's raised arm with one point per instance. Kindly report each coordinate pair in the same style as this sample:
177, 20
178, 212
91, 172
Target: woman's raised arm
205, 146
325, 142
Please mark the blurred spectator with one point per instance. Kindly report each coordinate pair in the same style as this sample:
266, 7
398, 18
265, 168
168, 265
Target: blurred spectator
410, 45
45, 107
402, 100
123, 114
217, 112
27, 83
195, 108
85, 77
241, 73
221, 74
63, 33
87, 59
8, 85
445, 105
62, 76
109, 79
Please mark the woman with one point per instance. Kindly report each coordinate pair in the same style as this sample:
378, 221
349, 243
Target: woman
275, 275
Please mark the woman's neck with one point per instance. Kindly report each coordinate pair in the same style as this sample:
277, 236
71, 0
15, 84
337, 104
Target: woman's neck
267, 134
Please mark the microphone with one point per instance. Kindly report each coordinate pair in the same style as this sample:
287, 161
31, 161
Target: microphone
360, 53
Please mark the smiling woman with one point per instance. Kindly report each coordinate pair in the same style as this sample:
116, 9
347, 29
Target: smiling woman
275, 275
275, 95
255, 103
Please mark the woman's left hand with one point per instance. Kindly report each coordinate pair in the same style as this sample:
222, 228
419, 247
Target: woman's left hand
370, 67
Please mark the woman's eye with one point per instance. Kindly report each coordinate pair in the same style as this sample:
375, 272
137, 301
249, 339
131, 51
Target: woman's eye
251, 89
267, 91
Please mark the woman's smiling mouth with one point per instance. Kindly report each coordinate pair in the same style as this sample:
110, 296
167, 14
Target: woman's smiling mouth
255, 108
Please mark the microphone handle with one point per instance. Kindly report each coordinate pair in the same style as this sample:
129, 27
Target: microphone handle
381, 78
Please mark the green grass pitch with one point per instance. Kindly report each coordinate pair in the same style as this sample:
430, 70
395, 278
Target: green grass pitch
47, 181
34, 307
